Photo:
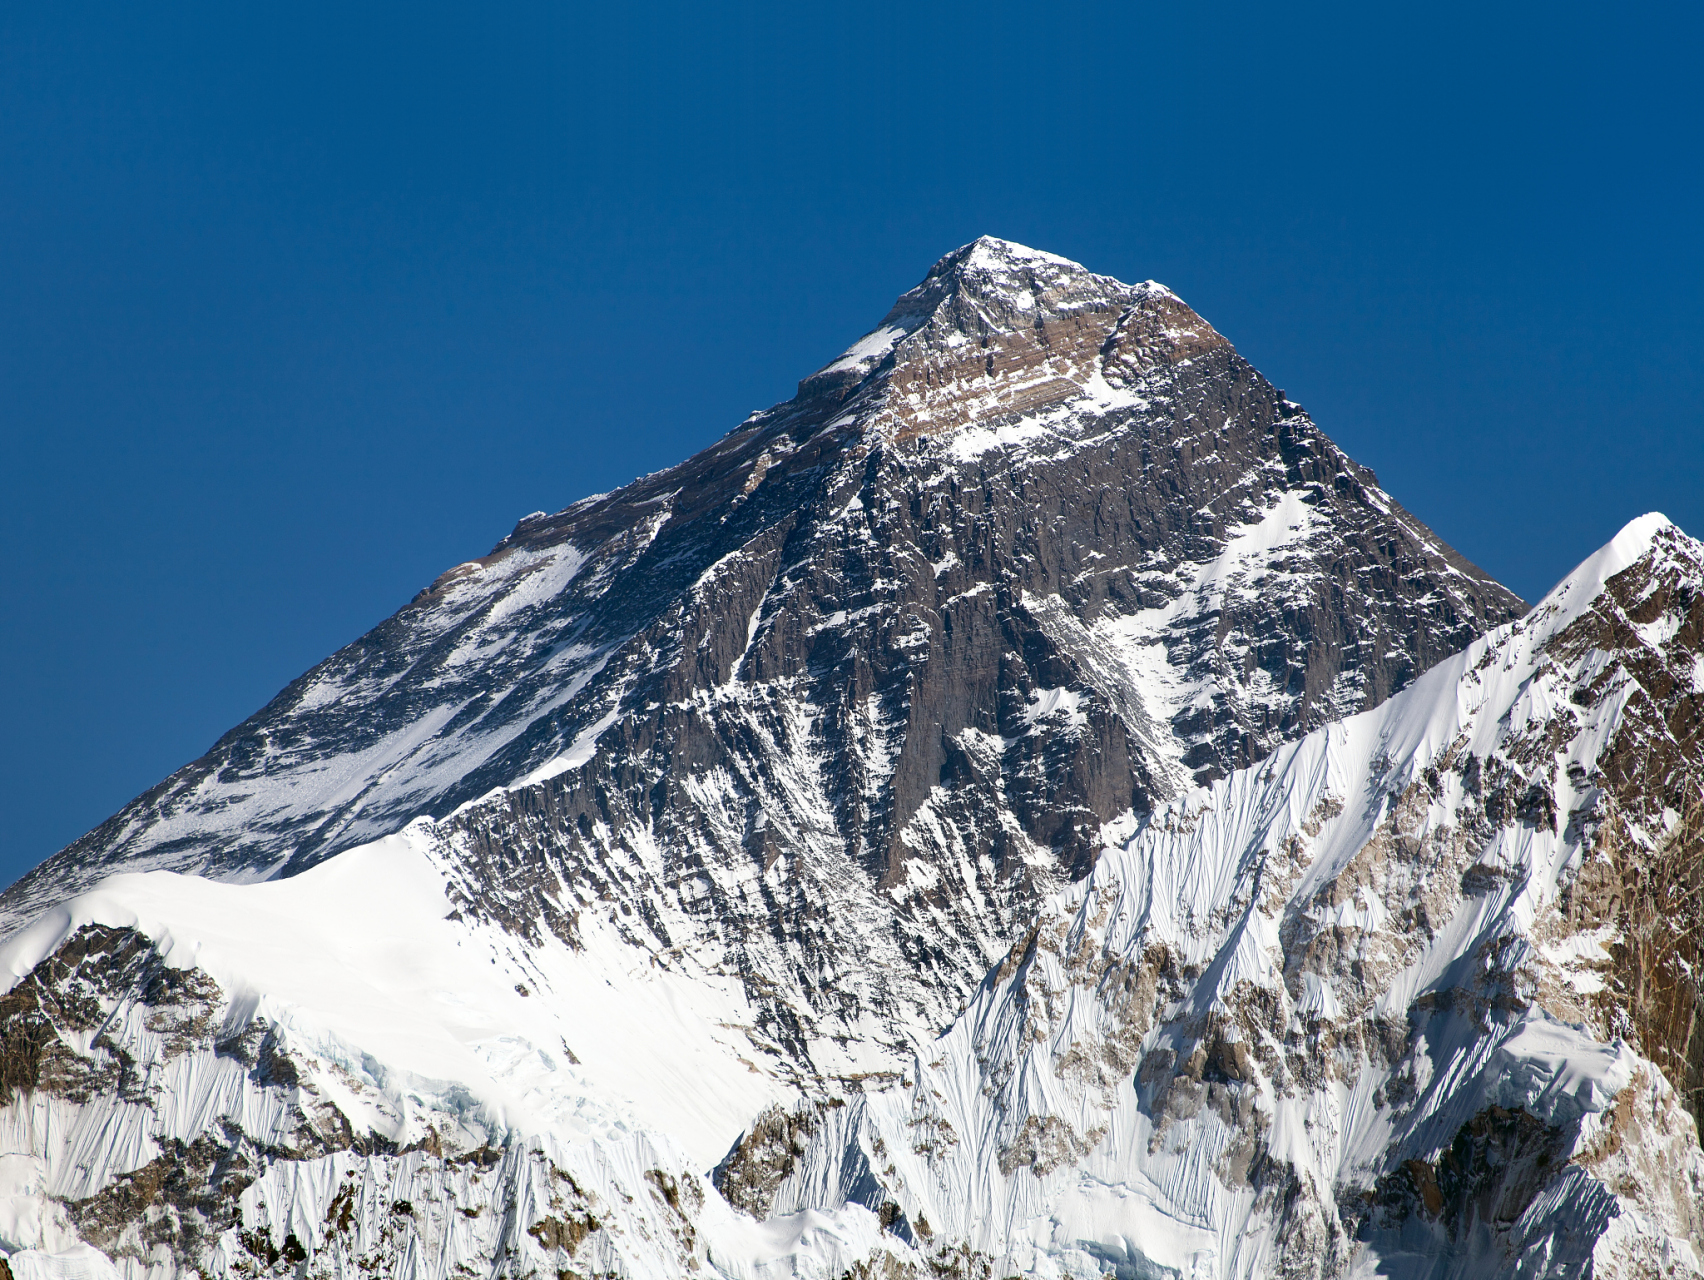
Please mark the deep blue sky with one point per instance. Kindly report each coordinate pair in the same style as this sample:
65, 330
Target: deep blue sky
304, 303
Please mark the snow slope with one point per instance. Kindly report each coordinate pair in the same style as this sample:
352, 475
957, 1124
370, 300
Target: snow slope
343, 1033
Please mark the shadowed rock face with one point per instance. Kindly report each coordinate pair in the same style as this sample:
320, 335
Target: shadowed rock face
834, 701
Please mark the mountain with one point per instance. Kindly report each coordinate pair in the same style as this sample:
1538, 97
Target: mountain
825, 712
1027, 805
1415, 995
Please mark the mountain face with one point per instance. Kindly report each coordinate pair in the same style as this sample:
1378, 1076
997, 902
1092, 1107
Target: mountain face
1418, 995
1415, 995
829, 709
1026, 806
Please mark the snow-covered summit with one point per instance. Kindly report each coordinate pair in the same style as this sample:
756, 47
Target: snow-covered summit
991, 252
997, 333
1632, 542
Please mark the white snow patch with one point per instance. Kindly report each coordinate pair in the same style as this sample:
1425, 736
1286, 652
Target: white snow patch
580, 751
1044, 703
868, 350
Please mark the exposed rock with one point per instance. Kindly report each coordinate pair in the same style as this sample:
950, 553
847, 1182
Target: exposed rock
763, 1158
1366, 1008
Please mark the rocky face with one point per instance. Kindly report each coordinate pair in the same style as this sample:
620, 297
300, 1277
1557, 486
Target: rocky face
1417, 995
1640, 884
835, 703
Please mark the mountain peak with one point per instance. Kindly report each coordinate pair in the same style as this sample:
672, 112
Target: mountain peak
1632, 544
721, 793
998, 330
1025, 560
1636, 536
1006, 277
1008, 367
988, 277
990, 253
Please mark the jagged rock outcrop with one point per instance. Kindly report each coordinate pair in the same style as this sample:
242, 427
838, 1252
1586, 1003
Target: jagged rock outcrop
833, 705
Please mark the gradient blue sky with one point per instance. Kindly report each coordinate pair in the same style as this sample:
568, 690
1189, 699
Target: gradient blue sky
303, 304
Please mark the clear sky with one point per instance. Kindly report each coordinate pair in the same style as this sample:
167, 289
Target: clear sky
305, 303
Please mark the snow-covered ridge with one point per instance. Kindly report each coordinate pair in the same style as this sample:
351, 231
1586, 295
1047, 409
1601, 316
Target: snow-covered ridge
864, 354
362, 951
993, 253
352, 1045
